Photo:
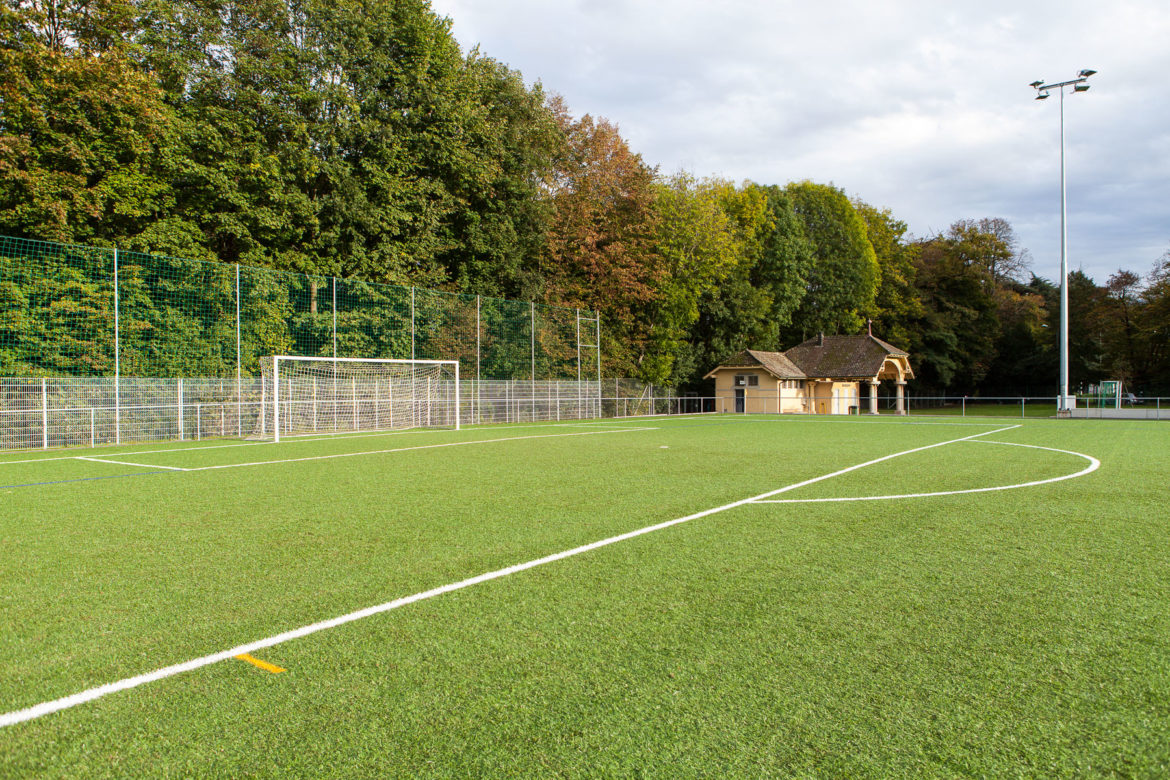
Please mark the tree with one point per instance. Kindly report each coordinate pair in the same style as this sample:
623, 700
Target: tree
1156, 324
897, 305
763, 289
500, 232
699, 242
959, 327
1024, 362
86, 139
1122, 313
1002, 257
844, 276
600, 252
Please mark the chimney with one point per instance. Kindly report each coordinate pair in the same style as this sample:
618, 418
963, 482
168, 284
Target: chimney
869, 326
821, 339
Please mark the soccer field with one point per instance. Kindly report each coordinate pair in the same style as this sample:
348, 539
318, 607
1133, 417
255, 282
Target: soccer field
673, 597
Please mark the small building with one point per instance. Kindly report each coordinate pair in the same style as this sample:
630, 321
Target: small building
823, 375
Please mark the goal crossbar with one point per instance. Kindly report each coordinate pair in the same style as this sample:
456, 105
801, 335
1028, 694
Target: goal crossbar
431, 384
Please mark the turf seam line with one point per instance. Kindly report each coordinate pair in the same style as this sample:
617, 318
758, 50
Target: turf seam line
82, 479
73, 700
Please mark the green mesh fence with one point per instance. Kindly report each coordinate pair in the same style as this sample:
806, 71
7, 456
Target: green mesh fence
75, 311
56, 309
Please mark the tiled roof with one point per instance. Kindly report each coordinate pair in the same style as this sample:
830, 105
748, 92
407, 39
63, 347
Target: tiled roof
778, 363
825, 357
842, 357
775, 362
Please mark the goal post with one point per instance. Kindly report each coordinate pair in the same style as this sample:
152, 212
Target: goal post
301, 396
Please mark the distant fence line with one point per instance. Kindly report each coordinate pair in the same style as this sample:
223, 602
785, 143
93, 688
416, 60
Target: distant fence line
1139, 408
44, 412
80, 311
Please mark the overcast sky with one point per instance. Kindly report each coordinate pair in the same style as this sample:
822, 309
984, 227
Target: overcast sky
920, 107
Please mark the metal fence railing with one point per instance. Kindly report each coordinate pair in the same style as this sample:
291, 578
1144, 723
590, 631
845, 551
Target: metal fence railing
1138, 408
44, 412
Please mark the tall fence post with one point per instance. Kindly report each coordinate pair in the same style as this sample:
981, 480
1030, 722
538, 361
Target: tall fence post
597, 314
412, 322
45, 411
117, 360
580, 414
477, 359
239, 375
532, 340
180, 405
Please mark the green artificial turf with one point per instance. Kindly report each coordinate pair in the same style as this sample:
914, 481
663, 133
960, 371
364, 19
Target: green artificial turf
1017, 632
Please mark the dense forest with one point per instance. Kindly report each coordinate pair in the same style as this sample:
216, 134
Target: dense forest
353, 138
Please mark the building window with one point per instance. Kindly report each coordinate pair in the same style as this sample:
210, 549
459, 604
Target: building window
753, 380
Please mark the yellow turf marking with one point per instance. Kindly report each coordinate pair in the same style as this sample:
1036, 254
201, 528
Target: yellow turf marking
262, 664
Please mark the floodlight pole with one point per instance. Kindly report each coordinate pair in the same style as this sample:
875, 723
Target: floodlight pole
1078, 84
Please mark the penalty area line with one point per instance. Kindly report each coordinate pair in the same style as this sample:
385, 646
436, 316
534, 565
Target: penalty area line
73, 700
128, 463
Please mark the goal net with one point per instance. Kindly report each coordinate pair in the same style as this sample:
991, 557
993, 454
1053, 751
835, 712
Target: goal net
302, 396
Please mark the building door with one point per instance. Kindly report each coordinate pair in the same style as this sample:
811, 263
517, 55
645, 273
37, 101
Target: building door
739, 401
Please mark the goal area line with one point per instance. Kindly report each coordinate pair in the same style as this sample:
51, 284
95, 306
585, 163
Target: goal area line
82, 697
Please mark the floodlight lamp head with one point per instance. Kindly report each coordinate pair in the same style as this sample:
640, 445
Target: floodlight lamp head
1086, 73
1036, 83
1042, 96
1080, 88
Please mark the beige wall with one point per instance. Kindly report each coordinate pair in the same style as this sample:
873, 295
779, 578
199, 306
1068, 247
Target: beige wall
835, 397
768, 397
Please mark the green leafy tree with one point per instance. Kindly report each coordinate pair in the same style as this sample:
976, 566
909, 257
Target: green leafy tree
86, 139
959, 327
704, 232
844, 275
897, 304
762, 289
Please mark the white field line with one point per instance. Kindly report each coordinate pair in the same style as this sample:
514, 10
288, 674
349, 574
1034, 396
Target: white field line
596, 425
863, 420
298, 440
127, 463
1094, 464
607, 422
418, 447
66, 702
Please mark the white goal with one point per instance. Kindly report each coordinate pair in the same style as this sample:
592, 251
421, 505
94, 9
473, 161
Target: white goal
302, 396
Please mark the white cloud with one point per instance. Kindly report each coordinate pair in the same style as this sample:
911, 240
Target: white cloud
919, 106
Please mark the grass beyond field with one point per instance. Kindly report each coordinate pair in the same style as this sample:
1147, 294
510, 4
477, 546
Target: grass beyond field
1020, 631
